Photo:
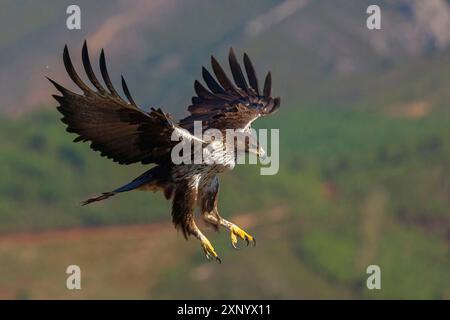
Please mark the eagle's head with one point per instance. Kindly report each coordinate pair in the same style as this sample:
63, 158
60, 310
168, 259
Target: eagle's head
247, 142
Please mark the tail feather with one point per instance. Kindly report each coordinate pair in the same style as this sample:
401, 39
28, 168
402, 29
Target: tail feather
150, 176
103, 196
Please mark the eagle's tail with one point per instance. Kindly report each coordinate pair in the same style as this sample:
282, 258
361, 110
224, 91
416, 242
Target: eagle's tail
151, 176
103, 196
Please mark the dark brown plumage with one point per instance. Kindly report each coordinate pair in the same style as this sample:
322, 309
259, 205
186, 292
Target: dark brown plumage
123, 132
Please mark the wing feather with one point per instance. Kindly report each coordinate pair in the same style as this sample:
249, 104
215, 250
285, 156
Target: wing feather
221, 75
88, 69
211, 82
127, 92
236, 71
267, 85
228, 105
119, 130
105, 75
251, 74
72, 73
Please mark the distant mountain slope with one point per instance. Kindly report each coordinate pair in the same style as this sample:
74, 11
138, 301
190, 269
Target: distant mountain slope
160, 45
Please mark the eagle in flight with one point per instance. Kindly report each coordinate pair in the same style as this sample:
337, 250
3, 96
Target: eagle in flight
125, 133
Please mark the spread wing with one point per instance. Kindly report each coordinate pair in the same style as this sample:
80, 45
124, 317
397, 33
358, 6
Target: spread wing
119, 130
228, 105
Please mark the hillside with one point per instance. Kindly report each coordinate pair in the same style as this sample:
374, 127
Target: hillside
354, 188
160, 45
138, 262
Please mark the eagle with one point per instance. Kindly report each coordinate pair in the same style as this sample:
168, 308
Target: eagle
126, 134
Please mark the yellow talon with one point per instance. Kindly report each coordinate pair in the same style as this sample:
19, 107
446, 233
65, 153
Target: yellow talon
236, 232
210, 253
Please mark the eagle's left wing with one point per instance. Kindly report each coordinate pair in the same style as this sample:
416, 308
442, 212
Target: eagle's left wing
228, 105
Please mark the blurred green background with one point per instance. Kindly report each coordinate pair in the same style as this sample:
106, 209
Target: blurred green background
365, 152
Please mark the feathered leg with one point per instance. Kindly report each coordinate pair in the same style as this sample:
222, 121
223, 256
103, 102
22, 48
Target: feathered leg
183, 206
210, 214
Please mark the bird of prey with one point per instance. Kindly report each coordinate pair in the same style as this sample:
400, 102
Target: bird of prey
125, 133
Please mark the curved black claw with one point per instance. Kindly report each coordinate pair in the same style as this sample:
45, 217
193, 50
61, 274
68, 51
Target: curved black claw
236, 233
211, 258
209, 251
253, 240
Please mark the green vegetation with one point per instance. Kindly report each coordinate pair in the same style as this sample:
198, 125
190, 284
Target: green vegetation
355, 188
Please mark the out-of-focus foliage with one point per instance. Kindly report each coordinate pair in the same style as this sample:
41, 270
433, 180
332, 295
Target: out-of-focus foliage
355, 188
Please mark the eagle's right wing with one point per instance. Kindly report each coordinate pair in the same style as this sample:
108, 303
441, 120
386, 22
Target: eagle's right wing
120, 130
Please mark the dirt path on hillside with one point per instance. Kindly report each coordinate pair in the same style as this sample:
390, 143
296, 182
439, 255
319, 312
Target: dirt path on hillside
244, 220
85, 232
